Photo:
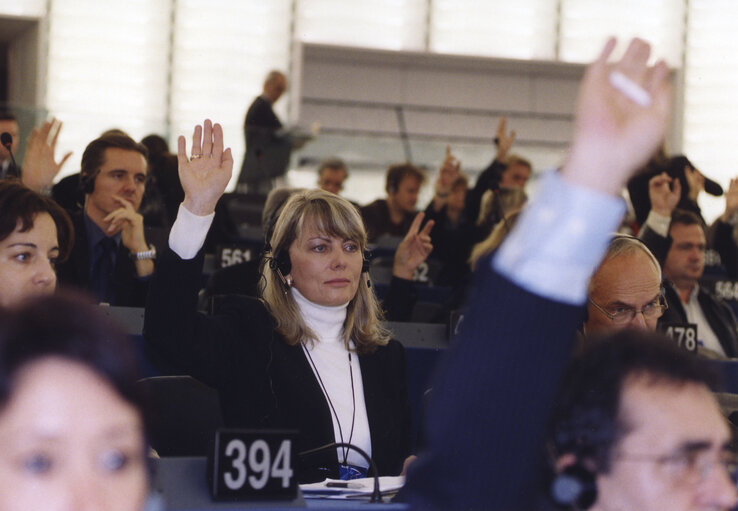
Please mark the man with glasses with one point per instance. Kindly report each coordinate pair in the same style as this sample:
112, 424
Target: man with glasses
636, 427
625, 291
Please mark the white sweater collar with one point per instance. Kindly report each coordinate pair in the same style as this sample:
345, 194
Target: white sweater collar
324, 320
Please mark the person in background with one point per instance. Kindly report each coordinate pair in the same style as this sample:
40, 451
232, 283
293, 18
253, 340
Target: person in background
72, 434
394, 215
35, 235
267, 152
331, 175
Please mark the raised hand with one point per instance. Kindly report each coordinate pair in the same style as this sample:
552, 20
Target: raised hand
447, 174
206, 173
413, 249
503, 140
731, 200
613, 134
663, 198
39, 166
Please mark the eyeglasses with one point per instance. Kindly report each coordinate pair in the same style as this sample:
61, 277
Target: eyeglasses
625, 314
691, 466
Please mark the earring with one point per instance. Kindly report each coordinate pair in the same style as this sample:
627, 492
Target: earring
288, 280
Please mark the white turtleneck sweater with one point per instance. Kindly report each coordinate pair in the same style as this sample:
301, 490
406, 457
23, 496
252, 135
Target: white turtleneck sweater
332, 365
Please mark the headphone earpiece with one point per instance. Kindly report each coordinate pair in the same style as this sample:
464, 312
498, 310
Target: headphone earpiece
367, 261
574, 487
86, 183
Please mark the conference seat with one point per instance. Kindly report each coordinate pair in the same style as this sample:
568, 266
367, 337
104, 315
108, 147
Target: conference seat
184, 415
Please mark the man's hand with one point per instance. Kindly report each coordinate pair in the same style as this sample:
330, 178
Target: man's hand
503, 140
731, 201
613, 134
206, 174
663, 198
130, 224
39, 166
413, 249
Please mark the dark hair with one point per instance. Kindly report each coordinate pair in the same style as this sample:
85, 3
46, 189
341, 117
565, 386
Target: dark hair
20, 204
396, 173
684, 217
586, 421
94, 156
155, 145
65, 325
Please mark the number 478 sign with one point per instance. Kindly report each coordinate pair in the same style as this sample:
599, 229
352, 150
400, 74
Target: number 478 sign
249, 464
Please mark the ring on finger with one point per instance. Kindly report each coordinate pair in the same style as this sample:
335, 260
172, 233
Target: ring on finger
195, 157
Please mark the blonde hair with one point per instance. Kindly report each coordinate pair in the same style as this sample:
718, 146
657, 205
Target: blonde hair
333, 216
495, 238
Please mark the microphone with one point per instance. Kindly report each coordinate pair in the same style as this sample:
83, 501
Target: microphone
7, 141
376, 494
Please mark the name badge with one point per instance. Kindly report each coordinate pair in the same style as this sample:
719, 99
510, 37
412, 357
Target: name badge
228, 255
249, 464
684, 334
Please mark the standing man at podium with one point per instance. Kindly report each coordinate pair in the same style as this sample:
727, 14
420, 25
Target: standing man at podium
267, 151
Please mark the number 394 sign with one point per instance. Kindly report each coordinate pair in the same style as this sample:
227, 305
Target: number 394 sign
249, 464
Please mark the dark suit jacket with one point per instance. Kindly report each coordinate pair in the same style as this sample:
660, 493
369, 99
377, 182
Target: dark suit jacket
491, 399
264, 382
129, 290
718, 313
267, 154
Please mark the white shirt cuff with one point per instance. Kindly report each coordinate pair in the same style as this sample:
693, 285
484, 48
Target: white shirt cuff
188, 232
559, 240
658, 223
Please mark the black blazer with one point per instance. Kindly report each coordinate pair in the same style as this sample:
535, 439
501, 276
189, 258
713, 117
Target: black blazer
129, 290
264, 382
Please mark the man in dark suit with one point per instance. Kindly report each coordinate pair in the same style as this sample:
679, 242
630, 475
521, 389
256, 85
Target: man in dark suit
485, 423
267, 153
111, 256
677, 238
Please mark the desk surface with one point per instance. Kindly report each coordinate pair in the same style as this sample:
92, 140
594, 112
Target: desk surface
181, 483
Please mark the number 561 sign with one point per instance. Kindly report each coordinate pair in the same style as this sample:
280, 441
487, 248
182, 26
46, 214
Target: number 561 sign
252, 464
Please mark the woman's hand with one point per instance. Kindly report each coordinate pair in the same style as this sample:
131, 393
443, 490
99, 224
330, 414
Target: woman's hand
206, 173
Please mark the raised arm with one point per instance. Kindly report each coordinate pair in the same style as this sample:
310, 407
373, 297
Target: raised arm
39, 165
177, 334
492, 395
205, 174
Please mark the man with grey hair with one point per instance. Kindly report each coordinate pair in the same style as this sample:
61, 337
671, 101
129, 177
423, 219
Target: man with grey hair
332, 172
625, 291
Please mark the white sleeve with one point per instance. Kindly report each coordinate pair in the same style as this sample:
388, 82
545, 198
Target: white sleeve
559, 240
658, 223
188, 232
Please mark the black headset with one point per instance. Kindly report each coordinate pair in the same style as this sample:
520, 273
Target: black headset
87, 182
